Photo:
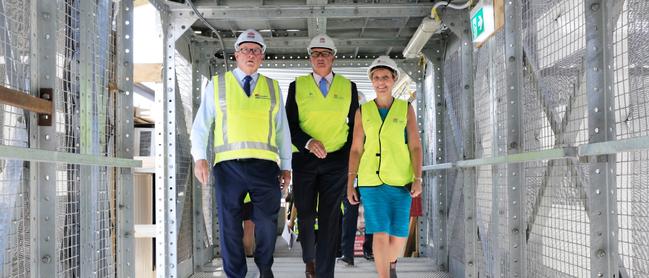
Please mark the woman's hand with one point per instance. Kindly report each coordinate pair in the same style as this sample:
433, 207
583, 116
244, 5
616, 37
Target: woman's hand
416, 188
352, 197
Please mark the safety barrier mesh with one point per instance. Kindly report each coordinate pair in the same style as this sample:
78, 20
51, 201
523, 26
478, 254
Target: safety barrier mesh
631, 87
553, 43
554, 115
184, 118
84, 123
15, 70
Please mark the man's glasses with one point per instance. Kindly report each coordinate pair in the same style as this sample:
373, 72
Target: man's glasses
324, 54
254, 51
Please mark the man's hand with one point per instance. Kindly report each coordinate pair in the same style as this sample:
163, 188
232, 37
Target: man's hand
317, 148
416, 188
284, 179
202, 171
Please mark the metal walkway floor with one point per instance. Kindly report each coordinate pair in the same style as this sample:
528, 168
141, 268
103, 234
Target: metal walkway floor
288, 264
294, 268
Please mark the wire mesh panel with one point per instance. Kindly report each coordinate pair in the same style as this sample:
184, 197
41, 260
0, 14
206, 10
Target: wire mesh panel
452, 85
456, 215
484, 148
631, 69
558, 225
67, 121
553, 45
15, 73
184, 91
104, 240
14, 217
631, 64
15, 44
68, 220
67, 74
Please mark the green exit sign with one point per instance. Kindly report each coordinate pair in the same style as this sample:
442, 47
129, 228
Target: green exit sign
482, 22
477, 23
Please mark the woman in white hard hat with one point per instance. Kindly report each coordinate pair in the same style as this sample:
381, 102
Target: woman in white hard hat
388, 165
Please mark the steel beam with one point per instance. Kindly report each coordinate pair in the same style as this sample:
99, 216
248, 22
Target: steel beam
40, 155
165, 182
42, 190
601, 128
317, 25
212, 12
124, 140
426, 193
202, 253
301, 43
517, 259
434, 91
88, 175
468, 146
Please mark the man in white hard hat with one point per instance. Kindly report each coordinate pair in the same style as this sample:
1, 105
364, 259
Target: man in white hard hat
252, 153
320, 107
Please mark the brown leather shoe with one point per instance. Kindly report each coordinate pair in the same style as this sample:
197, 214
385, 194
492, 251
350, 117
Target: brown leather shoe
310, 270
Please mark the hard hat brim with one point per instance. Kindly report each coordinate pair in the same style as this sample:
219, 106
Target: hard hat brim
263, 47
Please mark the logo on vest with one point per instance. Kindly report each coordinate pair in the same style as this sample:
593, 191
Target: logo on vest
398, 121
258, 96
337, 96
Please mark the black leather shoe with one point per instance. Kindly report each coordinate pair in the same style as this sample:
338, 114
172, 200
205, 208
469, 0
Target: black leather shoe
368, 256
309, 271
346, 261
266, 274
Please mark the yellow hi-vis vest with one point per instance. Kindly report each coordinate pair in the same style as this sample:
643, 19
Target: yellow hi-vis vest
244, 127
324, 118
386, 157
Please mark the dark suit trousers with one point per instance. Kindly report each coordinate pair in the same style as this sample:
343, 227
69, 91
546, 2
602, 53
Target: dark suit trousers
321, 183
234, 178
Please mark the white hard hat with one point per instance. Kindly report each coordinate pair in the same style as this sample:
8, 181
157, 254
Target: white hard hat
322, 41
383, 61
250, 35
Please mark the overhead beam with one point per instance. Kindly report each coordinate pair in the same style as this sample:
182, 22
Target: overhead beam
307, 11
317, 25
302, 43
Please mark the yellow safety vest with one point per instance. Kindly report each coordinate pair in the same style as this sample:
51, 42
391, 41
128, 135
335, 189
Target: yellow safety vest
324, 118
244, 127
386, 157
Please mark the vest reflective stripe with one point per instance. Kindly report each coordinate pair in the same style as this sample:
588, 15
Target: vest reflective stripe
273, 102
223, 105
324, 118
386, 157
252, 132
245, 145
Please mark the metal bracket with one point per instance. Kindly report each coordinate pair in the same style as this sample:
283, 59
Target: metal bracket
182, 21
412, 68
457, 21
